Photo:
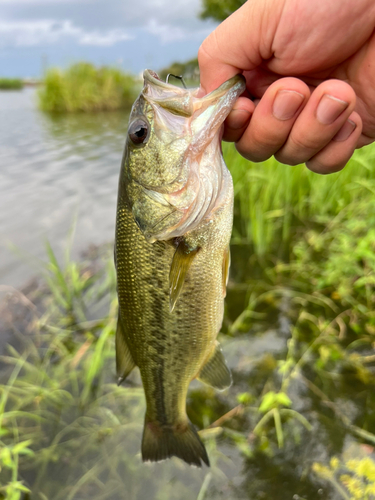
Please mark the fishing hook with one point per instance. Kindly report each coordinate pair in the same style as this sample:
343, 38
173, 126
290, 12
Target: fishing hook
178, 77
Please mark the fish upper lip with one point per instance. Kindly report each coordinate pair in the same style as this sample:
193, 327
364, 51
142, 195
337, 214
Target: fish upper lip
148, 75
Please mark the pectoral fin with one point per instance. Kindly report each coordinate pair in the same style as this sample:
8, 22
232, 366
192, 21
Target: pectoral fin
226, 264
124, 359
215, 372
182, 259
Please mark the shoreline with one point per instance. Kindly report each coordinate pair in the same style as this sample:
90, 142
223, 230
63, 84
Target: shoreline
21, 307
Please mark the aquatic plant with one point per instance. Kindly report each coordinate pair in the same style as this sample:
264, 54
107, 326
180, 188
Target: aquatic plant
353, 479
82, 87
11, 488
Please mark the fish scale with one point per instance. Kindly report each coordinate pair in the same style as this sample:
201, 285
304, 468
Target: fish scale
171, 290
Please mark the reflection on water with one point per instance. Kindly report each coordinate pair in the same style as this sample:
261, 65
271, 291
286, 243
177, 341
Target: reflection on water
52, 170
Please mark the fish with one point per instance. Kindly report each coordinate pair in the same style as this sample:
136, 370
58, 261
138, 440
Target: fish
173, 227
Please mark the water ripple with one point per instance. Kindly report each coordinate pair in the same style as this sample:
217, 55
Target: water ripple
52, 169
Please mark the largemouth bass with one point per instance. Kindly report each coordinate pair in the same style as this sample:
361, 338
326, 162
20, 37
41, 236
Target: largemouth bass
174, 222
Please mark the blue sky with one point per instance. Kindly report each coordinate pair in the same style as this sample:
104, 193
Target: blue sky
133, 34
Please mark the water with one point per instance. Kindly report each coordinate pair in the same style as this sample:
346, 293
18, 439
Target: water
54, 170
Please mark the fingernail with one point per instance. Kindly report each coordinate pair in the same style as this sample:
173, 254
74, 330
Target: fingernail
286, 104
345, 132
329, 109
238, 118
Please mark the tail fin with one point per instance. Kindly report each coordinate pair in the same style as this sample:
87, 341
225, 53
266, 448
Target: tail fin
161, 442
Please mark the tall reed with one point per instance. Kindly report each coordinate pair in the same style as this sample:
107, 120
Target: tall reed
271, 199
82, 87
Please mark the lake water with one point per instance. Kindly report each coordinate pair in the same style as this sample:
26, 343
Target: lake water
54, 170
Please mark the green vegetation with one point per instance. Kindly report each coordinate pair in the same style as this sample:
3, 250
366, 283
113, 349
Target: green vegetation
354, 479
299, 333
274, 201
220, 9
82, 87
11, 84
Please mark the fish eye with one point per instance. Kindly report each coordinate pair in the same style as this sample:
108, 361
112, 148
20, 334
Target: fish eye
138, 131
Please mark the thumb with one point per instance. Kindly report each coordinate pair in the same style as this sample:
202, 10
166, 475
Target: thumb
240, 43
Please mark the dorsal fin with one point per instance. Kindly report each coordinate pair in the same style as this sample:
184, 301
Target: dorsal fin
182, 259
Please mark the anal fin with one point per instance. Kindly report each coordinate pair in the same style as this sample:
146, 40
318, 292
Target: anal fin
124, 359
215, 372
182, 259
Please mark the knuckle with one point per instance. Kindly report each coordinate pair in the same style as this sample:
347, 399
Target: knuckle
297, 150
264, 147
323, 168
327, 164
287, 159
303, 144
257, 150
253, 155
330, 161
266, 141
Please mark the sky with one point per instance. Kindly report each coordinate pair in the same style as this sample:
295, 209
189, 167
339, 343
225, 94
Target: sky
132, 34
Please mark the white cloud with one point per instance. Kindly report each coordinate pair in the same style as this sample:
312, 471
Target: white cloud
100, 15
39, 2
48, 31
169, 33
104, 39
166, 32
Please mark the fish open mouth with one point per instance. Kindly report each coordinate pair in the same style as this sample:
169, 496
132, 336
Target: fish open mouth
185, 102
196, 190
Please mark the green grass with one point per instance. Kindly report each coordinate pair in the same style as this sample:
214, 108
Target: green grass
11, 84
274, 201
84, 88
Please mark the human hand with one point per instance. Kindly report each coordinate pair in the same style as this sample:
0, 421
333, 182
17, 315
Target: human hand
310, 69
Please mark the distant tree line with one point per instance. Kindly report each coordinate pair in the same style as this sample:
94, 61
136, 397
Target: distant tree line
11, 84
